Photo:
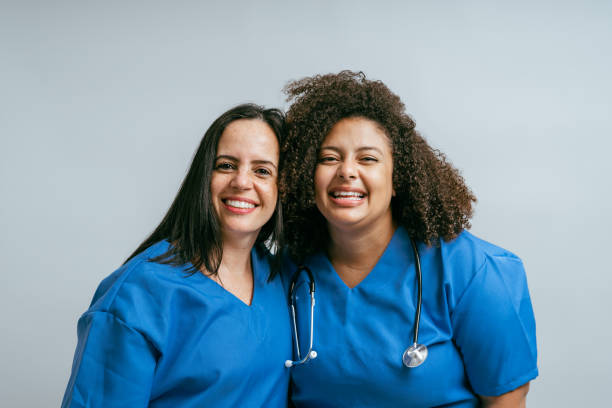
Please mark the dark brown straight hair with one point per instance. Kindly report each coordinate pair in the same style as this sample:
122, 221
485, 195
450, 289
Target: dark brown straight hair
191, 224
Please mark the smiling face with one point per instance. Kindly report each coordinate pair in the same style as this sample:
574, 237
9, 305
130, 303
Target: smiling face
353, 177
244, 181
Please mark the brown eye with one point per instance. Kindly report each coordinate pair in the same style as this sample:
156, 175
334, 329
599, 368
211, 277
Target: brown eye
263, 172
224, 166
369, 159
327, 159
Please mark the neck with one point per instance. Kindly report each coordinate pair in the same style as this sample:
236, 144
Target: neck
360, 249
236, 258
235, 273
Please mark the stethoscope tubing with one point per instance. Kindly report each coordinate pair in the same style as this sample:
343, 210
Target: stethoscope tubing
417, 319
311, 354
412, 357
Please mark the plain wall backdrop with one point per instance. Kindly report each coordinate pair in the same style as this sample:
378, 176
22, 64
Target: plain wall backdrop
102, 105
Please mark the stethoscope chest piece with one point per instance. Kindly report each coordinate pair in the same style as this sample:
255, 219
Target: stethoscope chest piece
415, 355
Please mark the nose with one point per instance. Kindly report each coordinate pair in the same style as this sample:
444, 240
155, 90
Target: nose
347, 170
241, 180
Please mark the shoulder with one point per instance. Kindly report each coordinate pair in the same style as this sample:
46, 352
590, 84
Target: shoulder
467, 256
138, 286
288, 264
468, 249
262, 257
288, 268
470, 252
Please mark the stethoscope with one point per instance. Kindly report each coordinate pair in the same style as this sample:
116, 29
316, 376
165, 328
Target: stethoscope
413, 356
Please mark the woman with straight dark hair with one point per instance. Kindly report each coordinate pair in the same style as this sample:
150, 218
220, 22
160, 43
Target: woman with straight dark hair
189, 320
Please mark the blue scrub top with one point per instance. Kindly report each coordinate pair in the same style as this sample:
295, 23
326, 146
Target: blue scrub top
476, 320
156, 337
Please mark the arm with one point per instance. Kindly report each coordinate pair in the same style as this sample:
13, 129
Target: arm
495, 332
113, 365
513, 399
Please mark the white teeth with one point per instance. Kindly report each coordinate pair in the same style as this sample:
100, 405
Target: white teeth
239, 204
352, 195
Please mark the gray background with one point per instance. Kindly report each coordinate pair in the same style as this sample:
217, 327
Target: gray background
103, 103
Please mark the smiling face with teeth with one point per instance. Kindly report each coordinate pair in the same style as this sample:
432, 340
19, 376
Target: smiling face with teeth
244, 181
353, 176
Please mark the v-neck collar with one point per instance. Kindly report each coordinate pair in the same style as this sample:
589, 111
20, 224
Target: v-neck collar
394, 261
259, 264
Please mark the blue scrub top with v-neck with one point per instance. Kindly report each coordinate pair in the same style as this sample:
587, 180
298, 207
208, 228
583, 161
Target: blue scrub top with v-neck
156, 337
476, 320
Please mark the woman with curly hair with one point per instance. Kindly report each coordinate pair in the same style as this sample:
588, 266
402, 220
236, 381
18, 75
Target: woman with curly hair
411, 309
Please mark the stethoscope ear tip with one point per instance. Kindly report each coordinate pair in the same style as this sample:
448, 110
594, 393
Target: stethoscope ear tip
288, 363
313, 354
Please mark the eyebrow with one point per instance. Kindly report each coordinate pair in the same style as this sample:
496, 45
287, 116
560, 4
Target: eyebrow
235, 159
336, 149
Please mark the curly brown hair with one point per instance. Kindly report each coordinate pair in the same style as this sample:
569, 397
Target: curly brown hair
432, 200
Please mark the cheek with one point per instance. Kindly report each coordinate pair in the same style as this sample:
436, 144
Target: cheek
270, 192
274, 193
320, 182
389, 184
216, 185
383, 182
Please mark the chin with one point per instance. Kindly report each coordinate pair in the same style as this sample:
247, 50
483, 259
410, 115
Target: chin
350, 217
344, 222
240, 229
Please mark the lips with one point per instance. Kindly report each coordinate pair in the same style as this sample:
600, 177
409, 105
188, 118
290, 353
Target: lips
353, 195
347, 192
347, 197
239, 205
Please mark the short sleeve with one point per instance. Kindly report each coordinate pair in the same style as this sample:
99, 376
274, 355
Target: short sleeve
113, 365
494, 328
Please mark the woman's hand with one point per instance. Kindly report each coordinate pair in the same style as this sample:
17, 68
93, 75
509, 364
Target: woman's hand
513, 399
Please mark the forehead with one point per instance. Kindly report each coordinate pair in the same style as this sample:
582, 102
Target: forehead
357, 132
249, 137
